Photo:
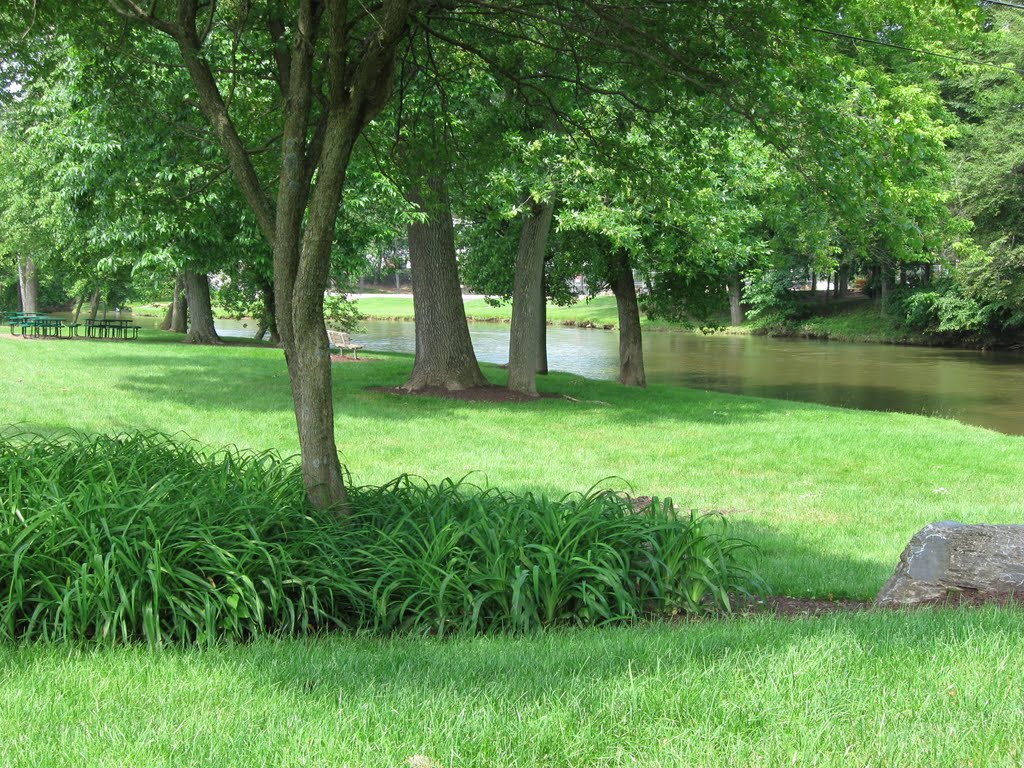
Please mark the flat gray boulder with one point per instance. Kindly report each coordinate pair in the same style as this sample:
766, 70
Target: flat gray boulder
946, 560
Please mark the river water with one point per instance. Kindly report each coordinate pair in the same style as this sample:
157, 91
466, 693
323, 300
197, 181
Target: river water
982, 388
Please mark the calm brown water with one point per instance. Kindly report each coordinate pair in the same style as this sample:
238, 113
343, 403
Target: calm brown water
982, 388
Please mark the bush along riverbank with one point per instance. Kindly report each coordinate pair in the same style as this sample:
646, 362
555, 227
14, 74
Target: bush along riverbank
912, 316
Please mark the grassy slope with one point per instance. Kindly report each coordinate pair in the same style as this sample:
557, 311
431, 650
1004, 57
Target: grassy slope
831, 495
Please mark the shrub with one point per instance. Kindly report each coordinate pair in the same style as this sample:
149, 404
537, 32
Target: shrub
770, 297
144, 538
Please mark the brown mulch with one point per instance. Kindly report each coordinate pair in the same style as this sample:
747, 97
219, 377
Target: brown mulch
474, 394
798, 607
779, 605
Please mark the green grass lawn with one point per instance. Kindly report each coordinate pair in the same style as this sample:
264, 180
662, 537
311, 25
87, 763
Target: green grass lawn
600, 311
922, 689
830, 495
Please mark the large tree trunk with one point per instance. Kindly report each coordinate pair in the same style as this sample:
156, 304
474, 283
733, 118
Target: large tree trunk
736, 313
542, 326
179, 308
353, 86
201, 330
268, 321
78, 308
842, 280
176, 319
529, 278
885, 275
631, 352
94, 303
444, 350
28, 284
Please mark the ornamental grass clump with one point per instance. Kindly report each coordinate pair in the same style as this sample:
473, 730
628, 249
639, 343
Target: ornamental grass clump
143, 538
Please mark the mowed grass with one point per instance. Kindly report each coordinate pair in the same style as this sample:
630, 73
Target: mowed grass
919, 689
600, 311
830, 495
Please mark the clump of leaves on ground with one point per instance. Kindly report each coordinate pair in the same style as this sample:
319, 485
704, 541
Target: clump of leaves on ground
141, 537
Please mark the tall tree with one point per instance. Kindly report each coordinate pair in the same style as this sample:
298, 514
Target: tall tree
334, 69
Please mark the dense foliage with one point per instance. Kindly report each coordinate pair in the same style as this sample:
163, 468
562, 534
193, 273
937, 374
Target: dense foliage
143, 538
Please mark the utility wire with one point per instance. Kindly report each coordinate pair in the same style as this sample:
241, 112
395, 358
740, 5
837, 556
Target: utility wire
1000, 2
936, 54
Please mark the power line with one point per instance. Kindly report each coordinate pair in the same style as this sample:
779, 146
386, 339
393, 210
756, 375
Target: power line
1000, 2
922, 51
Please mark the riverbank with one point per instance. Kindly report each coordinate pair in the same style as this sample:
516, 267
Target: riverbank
857, 321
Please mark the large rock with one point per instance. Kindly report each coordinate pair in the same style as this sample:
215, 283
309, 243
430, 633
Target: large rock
944, 560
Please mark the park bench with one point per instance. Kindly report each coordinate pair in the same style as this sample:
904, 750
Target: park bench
340, 341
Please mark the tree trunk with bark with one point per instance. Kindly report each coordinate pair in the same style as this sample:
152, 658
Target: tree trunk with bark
94, 303
179, 308
885, 276
267, 322
78, 308
444, 350
542, 327
28, 284
352, 81
842, 281
736, 313
631, 352
529, 278
201, 330
176, 319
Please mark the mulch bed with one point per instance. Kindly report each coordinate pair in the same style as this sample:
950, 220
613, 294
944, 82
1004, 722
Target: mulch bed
474, 394
798, 607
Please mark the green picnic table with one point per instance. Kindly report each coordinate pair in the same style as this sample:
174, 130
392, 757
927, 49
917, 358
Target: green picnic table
116, 328
20, 319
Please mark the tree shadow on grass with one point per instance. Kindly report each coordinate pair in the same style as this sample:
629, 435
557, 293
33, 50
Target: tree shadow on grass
247, 379
259, 382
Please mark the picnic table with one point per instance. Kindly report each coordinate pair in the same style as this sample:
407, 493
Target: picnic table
39, 324
113, 328
34, 323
